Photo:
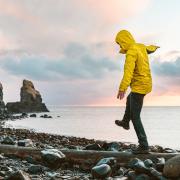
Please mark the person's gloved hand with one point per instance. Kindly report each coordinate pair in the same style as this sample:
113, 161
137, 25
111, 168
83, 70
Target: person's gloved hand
120, 95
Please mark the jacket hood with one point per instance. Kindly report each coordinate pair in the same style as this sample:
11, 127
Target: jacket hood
125, 40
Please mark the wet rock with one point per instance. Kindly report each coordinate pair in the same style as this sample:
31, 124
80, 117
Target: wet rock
73, 147
85, 165
131, 175
36, 169
19, 175
30, 159
113, 146
101, 171
138, 166
32, 115
156, 174
156, 148
53, 157
169, 150
95, 146
30, 100
120, 178
148, 163
111, 161
126, 145
121, 171
172, 167
2, 173
24, 115
1, 139
1, 157
160, 162
8, 140
45, 116
133, 162
25, 143
142, 177
52, 174
64, 141
5, 168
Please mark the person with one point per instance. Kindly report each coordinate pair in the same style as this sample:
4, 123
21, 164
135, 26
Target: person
137, 75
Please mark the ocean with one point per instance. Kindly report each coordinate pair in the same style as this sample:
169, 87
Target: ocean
162, 124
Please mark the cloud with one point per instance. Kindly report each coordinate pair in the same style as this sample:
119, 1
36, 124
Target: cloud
16, 10
44, 28
77, 62
167, 68
166, 75
69, 46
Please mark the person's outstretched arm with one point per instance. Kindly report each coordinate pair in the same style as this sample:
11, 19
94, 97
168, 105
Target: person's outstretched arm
129, 66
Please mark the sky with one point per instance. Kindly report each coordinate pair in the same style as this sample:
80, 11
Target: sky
67, 48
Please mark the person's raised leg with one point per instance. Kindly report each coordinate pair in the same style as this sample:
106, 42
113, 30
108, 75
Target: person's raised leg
126, 118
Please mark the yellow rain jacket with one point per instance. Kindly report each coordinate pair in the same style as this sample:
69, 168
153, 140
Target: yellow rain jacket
137, 72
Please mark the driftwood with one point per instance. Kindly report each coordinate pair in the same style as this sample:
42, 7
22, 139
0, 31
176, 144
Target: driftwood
81, 156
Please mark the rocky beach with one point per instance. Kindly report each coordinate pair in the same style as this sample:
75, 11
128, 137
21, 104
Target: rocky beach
27, 154
56, 165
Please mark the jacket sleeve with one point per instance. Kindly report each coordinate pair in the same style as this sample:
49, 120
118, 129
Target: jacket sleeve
129, 66
151, 49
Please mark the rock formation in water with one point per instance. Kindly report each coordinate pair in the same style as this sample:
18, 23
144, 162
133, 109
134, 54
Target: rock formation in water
30, 100
2, 105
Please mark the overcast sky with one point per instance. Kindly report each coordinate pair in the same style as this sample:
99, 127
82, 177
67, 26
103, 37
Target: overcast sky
66, 47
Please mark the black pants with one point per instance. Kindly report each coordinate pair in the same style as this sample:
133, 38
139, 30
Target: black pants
134, 105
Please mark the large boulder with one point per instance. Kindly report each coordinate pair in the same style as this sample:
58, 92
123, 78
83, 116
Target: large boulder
172, 167
30, 100
101, 172
53, 158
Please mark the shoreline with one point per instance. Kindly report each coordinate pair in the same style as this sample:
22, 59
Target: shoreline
41, 140
46, 140
164, 145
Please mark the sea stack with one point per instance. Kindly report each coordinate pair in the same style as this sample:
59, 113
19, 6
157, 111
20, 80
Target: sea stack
2, 105
30, 100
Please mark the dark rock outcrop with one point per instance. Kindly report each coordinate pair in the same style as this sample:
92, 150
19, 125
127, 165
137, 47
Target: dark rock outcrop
30, 100
2, 105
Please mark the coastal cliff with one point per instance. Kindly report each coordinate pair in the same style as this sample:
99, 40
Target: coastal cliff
2, 104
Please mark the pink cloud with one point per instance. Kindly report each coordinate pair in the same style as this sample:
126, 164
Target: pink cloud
116, 10
6, 43
16, 10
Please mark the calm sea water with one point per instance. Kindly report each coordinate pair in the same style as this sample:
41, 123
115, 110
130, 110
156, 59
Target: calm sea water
162, 124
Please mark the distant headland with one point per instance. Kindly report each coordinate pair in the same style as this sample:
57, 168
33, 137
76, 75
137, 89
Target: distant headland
30, 100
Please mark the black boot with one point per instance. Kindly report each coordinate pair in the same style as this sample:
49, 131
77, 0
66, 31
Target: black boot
123, 124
